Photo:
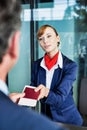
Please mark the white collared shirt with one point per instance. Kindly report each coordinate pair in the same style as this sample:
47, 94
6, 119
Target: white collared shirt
49, 73
3, 87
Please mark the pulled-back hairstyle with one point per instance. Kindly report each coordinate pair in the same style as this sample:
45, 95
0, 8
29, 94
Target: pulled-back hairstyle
42, 30
10, 22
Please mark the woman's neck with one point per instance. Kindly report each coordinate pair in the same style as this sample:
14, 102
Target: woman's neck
52, 54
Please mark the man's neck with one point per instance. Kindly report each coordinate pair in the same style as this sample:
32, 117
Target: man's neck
3, 73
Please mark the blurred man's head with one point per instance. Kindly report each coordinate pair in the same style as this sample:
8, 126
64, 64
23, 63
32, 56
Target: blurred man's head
10, 22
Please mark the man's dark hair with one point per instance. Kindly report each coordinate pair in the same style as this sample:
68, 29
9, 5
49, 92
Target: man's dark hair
10, 21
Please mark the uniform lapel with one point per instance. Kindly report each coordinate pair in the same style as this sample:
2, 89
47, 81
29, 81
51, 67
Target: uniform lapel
42, 76
56, 78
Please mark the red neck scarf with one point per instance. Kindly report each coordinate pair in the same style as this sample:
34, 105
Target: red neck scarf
50, 62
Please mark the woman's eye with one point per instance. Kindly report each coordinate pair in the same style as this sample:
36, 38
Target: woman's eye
40, 39
49, 36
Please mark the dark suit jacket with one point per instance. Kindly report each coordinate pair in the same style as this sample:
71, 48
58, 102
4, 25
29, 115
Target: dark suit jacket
60, 98
14, 117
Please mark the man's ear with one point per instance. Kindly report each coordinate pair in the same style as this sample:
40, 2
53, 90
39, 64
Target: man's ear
14, 45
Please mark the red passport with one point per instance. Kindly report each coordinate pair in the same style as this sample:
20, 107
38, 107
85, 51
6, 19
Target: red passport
30, 98
30, 93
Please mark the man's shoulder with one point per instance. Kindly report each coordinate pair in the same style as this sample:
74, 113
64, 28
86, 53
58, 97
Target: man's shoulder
16, 117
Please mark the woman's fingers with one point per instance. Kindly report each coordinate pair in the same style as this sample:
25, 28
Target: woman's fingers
43, 91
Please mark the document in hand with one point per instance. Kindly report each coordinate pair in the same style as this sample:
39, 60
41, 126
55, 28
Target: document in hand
30, 98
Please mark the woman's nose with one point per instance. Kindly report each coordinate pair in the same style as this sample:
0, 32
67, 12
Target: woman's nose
44, 40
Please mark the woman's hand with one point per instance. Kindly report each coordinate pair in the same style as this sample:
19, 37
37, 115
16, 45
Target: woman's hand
44, 91
16, 96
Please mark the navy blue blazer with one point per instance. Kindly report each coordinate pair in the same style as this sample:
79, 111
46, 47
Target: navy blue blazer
60, 98
14, 117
